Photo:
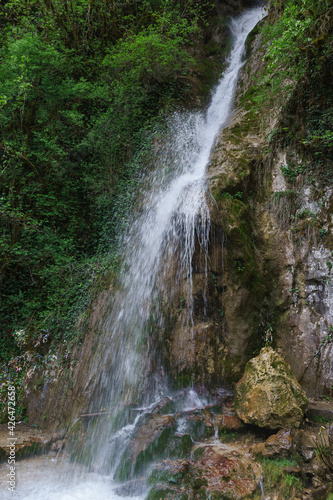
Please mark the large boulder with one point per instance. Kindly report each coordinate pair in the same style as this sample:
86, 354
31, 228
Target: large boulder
268, 395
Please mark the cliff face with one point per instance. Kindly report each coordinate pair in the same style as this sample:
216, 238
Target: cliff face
271, 245
266, 276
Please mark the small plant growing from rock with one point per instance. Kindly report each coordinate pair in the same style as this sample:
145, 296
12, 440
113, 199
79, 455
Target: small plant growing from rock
324, 449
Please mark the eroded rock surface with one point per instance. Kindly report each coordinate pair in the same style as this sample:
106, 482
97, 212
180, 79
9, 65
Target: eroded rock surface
268, 395
215, 471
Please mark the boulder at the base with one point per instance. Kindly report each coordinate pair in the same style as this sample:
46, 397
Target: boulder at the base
268, 395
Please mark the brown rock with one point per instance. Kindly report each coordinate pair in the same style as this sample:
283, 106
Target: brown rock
149, 432
227, 472
279, 444
217, 471
229, 422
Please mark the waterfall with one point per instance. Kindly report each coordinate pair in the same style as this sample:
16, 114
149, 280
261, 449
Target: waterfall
174, 215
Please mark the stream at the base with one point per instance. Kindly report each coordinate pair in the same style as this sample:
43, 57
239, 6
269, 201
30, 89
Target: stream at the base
48, 478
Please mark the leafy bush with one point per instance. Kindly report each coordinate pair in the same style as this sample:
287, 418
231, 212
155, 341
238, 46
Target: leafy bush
83, 88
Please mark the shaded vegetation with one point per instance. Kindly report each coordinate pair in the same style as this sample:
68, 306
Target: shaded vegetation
85, 86
298, 75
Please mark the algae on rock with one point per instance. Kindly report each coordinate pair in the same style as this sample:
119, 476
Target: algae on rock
268, 395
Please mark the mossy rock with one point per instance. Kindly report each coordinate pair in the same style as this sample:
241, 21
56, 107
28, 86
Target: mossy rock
151, 440
173, 473
268, 395
161, 491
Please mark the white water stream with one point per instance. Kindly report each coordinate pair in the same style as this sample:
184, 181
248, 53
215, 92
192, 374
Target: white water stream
175, 214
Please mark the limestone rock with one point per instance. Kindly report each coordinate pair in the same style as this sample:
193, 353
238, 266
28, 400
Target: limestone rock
28, 441
268, 395
279, 444
150, 432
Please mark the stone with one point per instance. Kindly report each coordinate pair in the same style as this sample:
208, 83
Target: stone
306, 443
28, 441
163, 407
149, 433
131, 488
215, 471
58, 445
268, 395
167, 471
279, 444
198, 423
151, 440
320, 410
228, 422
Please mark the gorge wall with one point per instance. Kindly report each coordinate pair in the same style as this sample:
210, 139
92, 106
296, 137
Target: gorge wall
266, 277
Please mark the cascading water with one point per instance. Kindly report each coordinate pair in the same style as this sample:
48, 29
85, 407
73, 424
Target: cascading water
175, 214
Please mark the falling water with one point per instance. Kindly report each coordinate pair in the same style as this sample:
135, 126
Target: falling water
175, 214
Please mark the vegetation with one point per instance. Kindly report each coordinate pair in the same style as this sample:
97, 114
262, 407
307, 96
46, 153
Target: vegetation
85, 88
297, 75
278, 477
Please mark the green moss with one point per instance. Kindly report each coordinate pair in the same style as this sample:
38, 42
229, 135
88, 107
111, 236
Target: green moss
179, 446
167, 474
161, 491
276, 480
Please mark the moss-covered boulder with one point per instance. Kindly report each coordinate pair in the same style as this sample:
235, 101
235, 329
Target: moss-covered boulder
268, 395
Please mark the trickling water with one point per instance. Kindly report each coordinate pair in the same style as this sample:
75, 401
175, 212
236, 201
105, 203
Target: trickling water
175, 215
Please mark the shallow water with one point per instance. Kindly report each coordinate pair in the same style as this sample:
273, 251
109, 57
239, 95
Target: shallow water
48, 478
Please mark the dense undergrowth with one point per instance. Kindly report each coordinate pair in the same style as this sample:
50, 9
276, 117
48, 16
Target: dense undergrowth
297, 76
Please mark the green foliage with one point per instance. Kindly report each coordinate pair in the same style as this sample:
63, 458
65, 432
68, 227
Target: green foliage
296, 76
291, 172
84, 89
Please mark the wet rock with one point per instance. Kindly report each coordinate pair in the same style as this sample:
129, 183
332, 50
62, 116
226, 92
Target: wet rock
58, 445
268, 395
199, 424
173, 472
216, 471
280, 444
226, 471
149, 433
160, 491
131, 488
227, 423
28, 441
153, 439
317, 410
165, 406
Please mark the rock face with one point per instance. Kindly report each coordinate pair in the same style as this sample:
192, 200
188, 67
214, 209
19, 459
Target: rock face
279, 444
268, 395
149, 433
27, 441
